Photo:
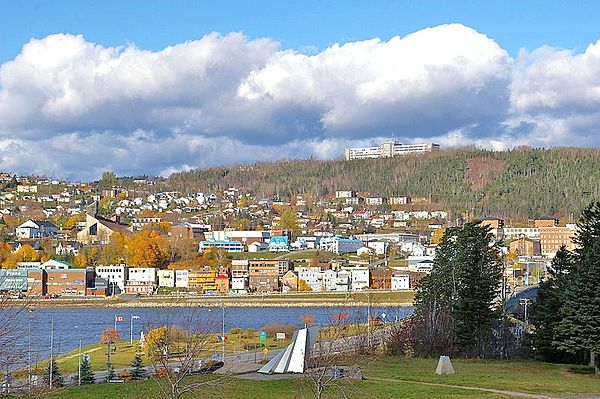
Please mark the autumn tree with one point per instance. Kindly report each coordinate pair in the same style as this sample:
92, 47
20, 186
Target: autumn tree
115, 252
148, 248
109, 179
289, 221
303, 286
110, 336
174, 351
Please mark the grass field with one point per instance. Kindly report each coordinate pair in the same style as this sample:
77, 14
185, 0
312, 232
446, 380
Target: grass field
390, 377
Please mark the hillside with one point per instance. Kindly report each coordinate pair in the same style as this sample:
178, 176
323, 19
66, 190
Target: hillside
520, 183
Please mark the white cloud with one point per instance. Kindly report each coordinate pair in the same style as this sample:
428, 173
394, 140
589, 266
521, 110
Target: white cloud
73, 108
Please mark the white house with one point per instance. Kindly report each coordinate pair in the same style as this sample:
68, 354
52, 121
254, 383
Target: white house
36, 229
182, 278
166, 278
115, 275
55, 265
360, 278
143, 274
400, 281
339, 245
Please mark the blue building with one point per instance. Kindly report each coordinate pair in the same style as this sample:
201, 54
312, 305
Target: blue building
227, 245
279, 244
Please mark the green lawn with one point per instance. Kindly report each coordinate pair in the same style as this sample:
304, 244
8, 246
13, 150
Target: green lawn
381, 374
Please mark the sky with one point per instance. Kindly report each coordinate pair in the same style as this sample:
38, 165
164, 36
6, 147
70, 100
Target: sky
156, 87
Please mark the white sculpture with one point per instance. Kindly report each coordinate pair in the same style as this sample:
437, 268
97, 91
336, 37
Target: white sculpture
444, 366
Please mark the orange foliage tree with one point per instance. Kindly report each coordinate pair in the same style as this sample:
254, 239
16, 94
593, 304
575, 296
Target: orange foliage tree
109, 336
149, 249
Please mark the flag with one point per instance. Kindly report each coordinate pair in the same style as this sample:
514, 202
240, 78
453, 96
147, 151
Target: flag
221, 338
135, 317
118, 318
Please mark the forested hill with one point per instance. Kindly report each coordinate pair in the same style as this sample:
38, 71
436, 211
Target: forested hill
520, 183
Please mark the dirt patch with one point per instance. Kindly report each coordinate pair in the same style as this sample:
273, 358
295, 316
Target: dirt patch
482, 170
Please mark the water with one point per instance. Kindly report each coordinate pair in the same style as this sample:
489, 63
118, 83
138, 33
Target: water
71, 325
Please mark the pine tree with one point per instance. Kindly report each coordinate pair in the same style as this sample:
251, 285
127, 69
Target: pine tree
87, 376
454, 306
477, 275
546, 310
137, 367
579, 330
57, 380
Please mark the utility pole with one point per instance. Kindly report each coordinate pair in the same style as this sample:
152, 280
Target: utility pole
79, 365
223, 337
51, 350
29, 355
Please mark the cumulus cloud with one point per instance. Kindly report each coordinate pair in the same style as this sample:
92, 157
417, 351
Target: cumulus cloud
72, 108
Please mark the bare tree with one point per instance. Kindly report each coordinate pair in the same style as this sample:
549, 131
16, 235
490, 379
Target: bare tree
176, 353
336, 358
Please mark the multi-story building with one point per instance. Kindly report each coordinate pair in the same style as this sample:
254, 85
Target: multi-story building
245, 237
69, 282
138, 222
524, 246
239, 275
389, 149
545, 222
373, 201
263, 275
511, 233
360, 278
400, 281
552, 238
204, 279
142, 280
36, 229
166, 278
116, 277
340, 245
182, 278
381, 279
399, 200
282, 265
226, 245
345, 194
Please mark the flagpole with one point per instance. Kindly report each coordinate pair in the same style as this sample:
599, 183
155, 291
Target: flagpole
115, 323
131, 331
51, 349
79, 365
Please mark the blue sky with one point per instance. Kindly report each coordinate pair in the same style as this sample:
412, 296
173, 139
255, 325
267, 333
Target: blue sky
154, 87
153, 25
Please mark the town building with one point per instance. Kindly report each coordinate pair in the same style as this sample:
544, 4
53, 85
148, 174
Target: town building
345, 194
524, 246
36, 229
545, 222
389, 149
289, 281
142, 280
340, 245
263, 274
511, 233
381, 278
116, 277
98, 229
245, 237
400, 281
552, 238
279, 244
166, 278
239, 275
203, 280
421, 264
182, 278
227, 245
69, 282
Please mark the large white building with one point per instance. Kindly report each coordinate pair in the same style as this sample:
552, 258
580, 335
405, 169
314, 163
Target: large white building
339, 245
389, 149
115, 275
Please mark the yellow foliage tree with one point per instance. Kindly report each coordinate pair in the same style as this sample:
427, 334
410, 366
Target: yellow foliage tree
115, 251
80, 260
71, 222
148, 249
289, 221
436, 238
5, 255
302, 286
25, 254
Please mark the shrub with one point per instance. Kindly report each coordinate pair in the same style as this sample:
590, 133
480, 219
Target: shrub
236, 331
274, 328
249, 333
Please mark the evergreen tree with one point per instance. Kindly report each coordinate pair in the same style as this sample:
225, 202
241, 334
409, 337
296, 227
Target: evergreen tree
579, 330
137, 367
477, 274
455, 303
57, 380
546, 310
87, 376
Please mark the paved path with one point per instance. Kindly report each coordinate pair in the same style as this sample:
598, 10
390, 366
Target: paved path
489, 390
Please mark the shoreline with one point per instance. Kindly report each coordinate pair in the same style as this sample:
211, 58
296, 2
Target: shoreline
203, 303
